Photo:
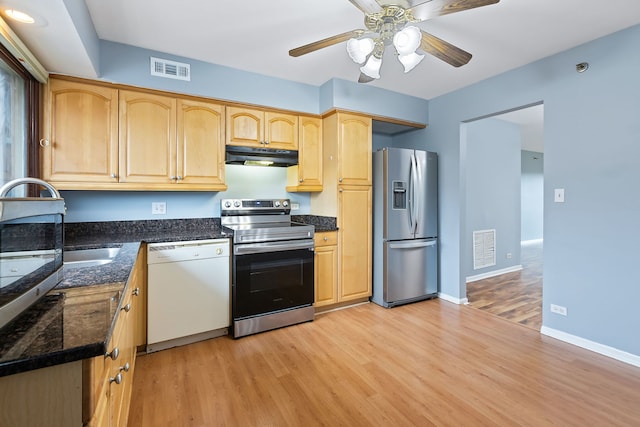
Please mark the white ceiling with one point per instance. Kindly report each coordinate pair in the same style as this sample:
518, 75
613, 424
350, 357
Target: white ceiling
531, 126
256, 35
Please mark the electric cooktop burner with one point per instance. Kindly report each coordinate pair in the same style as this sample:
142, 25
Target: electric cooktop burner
262, 220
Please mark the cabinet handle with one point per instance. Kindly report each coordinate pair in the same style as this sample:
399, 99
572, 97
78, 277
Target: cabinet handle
301, 180
113, 354
266, 142
44, 142
180, 178
126, 308
325, 239
340, 180
340, 190
173, 178
125, 368
136, 292
117, 379
114, 176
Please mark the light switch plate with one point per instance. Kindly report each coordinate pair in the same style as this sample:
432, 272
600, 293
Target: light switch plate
558, 195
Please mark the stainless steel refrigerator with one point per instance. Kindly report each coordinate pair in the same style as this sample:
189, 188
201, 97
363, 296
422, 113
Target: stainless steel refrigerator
405, 226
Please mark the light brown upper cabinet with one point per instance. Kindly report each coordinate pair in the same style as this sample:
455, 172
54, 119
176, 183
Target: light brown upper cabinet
307, 175
147, 138
164, 140
200, 154
101, 138
80, 140
354, 149
261, 128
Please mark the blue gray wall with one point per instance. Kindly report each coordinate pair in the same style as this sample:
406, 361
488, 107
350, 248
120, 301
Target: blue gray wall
591, 131
130, 65
532, 193
242, 182
492, 150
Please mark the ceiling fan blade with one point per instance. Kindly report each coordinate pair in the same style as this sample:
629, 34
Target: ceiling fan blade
367, 6
329, 41
434, 8
443, 50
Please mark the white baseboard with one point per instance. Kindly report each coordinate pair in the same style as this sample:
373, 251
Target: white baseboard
605, 350
454, 300
494, 273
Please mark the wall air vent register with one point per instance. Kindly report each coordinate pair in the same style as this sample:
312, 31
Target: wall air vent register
170, 69
484, 248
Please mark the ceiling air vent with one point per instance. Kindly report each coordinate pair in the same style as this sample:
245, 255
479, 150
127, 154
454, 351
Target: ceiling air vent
170, 69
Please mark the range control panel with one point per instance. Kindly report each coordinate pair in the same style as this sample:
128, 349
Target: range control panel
254, 206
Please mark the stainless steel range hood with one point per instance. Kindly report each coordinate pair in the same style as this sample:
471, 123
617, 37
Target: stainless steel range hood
240, 155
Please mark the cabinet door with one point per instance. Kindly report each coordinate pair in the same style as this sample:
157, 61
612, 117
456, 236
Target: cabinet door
354, 149
200, 153
245, 127
138, 287
307, 174
354, 224
81, 133
147, 138
281, 131
310, 153
326, 275
123, 365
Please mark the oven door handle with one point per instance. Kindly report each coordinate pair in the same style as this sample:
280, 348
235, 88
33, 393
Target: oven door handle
256, 248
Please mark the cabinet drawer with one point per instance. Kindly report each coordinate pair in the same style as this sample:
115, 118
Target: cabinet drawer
325, 238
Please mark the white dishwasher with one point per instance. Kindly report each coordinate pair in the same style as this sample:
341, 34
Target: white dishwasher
188, 296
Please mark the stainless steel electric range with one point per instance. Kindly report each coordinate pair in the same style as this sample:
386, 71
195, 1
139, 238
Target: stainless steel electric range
272, 273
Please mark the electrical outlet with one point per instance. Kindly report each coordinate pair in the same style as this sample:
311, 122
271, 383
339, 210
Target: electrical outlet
558, 195
509, 255
295, 206
558, 309
158, 208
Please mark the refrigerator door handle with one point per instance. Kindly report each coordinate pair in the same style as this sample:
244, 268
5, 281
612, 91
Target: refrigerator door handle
419, 193
414, 192
412, 245
411, 195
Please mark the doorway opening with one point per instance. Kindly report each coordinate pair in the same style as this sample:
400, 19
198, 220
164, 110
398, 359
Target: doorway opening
504, 192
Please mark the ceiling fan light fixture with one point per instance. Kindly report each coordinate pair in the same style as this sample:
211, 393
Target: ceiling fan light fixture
410, 61
359, 49
407, 40
372, 67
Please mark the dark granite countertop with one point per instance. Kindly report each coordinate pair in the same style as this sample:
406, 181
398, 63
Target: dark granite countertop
50, 332
321, 223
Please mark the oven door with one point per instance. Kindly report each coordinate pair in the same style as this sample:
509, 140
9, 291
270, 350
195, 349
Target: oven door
270, 277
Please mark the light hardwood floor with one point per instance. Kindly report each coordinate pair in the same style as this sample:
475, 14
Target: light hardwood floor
516, 296
422, 364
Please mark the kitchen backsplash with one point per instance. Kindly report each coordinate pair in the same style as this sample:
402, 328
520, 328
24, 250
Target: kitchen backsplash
242, 182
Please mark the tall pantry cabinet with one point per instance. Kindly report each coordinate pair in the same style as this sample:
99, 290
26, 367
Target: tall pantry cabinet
346, 195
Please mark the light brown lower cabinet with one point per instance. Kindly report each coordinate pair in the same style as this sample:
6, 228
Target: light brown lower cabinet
109, 379
326, 268
93, 392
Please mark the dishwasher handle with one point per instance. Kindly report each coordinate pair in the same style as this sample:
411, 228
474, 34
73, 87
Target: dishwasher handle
166, 246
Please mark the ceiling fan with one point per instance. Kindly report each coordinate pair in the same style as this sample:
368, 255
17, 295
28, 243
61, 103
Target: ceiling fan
389, 22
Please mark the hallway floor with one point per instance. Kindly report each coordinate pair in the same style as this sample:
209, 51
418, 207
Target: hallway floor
515, 296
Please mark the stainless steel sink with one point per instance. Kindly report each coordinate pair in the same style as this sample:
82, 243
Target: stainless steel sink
89, 257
